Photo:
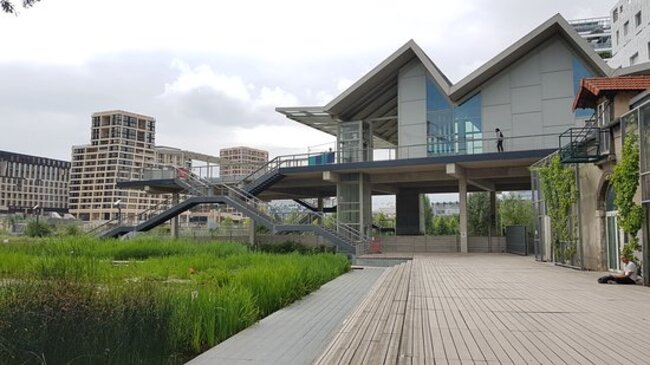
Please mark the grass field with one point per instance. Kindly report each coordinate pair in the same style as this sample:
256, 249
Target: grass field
79, 300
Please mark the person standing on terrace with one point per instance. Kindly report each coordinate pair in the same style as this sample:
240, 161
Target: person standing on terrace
499, 140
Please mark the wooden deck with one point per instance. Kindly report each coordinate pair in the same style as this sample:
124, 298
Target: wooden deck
493, 309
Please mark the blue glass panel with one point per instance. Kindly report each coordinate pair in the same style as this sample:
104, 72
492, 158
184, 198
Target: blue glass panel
580, 72
452, 130
440, 132
470, 112
435, 98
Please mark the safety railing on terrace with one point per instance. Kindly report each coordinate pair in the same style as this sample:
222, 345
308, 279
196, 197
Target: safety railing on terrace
586, 144
437, 146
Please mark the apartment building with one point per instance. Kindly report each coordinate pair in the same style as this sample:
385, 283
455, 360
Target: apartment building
121, 145
241, 161
631, 33
597, 32
445, 208
30, 181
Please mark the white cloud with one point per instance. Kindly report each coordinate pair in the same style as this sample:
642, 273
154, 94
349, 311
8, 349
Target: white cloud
288, 139
231, 62
203, 76
193, 79
343, 84
272, 97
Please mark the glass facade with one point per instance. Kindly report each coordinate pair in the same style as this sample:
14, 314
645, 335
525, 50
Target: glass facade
580, 72
450, 129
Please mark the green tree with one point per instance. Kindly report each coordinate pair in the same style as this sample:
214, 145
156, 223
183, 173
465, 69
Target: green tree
625, 181
478, 213
9, 7
452, 222
513, 210
330, 220
439, 226
226, 226
382, 220
445, 225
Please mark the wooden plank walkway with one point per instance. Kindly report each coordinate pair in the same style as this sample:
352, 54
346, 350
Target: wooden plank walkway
493, 309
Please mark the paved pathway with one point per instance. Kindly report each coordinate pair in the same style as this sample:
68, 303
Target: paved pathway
299, 333
494, 309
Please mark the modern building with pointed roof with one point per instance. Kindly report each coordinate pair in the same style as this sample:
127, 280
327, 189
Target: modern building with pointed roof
405, 129
441, 136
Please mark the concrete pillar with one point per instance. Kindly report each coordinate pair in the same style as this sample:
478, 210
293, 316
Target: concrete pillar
408, 213
493, 214
174, 228
252, 233
645, 236
462, 195
365, 192
319, 207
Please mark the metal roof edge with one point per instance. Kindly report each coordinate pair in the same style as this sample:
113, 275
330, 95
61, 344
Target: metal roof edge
554, 25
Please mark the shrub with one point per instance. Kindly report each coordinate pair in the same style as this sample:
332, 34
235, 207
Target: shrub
292, 246
70, 230
38, 229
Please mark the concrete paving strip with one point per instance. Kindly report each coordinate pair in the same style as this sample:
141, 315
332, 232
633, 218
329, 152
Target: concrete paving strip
299, 333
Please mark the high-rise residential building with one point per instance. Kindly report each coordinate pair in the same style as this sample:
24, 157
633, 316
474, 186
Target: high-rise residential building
241, 161
597, 32
121, 145
28, 181
631, 33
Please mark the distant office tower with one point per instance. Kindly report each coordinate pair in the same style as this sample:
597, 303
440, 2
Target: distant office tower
596, 31
121, 145
241, 161
29, 181
631, 29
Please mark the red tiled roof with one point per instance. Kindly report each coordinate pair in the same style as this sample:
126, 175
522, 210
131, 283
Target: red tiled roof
591, 89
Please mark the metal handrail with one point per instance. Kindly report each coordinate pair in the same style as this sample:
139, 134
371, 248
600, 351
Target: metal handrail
300, 158
340, 228
263, 208
138, 215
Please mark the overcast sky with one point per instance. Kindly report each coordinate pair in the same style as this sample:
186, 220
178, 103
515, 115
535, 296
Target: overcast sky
212, 72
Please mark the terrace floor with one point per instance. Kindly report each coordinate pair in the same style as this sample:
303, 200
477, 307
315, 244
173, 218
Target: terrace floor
477, 309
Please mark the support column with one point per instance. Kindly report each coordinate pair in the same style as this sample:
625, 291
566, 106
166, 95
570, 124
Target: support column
174, 228
493, 213
462, 197
646, 245
320, 210
407, 213
252, 233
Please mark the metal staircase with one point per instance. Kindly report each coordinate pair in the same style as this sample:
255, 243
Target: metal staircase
201, 191
269, 174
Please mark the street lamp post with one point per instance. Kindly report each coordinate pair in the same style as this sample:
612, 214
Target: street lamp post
35, 210
118, 204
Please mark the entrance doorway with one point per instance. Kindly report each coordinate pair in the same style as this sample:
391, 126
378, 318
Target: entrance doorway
612, 231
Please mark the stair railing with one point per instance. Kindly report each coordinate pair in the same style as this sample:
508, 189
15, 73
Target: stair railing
140, 217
